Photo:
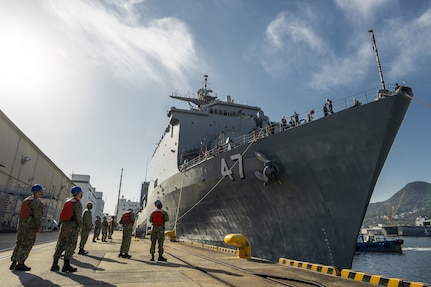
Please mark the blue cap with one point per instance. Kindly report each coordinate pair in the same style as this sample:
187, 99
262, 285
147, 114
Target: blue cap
75, 190
37, 187
157, 203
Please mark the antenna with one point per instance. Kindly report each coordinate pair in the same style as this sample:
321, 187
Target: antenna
377, 59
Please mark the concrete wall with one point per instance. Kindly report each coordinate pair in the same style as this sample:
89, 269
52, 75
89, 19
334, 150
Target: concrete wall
100, 205
23, 164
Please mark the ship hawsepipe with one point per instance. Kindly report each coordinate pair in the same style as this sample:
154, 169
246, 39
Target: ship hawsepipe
300, 192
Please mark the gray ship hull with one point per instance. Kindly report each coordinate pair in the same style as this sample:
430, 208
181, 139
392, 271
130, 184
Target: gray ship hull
313, 210
415, 231
405, 230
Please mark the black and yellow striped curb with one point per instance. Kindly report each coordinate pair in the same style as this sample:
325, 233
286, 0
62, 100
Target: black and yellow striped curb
379, 280
310, 266
211, 247
350, 274
330, 270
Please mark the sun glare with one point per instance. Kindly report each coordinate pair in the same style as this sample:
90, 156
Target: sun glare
24, 64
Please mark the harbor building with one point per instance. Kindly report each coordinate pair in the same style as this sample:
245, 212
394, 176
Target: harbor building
23, 164
100, 205
89, 194
124, 205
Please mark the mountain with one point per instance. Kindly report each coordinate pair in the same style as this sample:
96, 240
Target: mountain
403, 207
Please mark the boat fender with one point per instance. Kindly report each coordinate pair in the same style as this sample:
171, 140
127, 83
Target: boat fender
240, 241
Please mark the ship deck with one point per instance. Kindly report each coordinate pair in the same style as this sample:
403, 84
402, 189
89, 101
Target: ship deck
187, 265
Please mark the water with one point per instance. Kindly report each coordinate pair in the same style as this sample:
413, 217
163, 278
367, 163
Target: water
413, 265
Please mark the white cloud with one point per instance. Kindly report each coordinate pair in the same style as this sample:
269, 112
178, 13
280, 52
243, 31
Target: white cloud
289, 30
296, 44
111, 67
342, 71
411, 42
360, 9
106, 37
290, 38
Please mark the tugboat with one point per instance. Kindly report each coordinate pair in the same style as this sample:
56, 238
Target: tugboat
378, 243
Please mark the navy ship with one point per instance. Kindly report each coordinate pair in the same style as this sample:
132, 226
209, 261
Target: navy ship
297, 189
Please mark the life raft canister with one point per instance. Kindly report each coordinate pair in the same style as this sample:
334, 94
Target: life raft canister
158, 217
67, 211
25, 208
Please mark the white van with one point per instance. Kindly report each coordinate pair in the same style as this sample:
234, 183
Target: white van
50, 225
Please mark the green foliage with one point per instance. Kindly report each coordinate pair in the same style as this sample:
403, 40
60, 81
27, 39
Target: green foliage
403, 207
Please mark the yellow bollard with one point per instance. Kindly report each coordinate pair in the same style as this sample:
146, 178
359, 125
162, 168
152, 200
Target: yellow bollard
240, 241
172, 235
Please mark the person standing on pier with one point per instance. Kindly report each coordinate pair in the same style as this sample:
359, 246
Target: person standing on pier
158, 218
97, 228
111, 226
71, 223
104, 229
87, 225
30, 223
127, 220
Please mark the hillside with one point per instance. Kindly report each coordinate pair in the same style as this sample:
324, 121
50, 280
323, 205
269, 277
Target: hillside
403, 207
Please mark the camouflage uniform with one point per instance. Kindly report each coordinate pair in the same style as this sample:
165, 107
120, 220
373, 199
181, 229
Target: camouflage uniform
104, 229
71, 223
111, 227
158, 234
69, 231
27, 230
127, 233
97, 227
87, 224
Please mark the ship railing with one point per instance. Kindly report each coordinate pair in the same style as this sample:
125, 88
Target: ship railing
277, 127
233, 143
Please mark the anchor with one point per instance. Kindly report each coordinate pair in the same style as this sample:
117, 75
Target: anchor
269, 172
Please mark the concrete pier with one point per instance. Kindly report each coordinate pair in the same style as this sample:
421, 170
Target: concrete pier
187, 265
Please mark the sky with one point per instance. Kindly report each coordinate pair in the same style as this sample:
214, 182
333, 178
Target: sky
89, 81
